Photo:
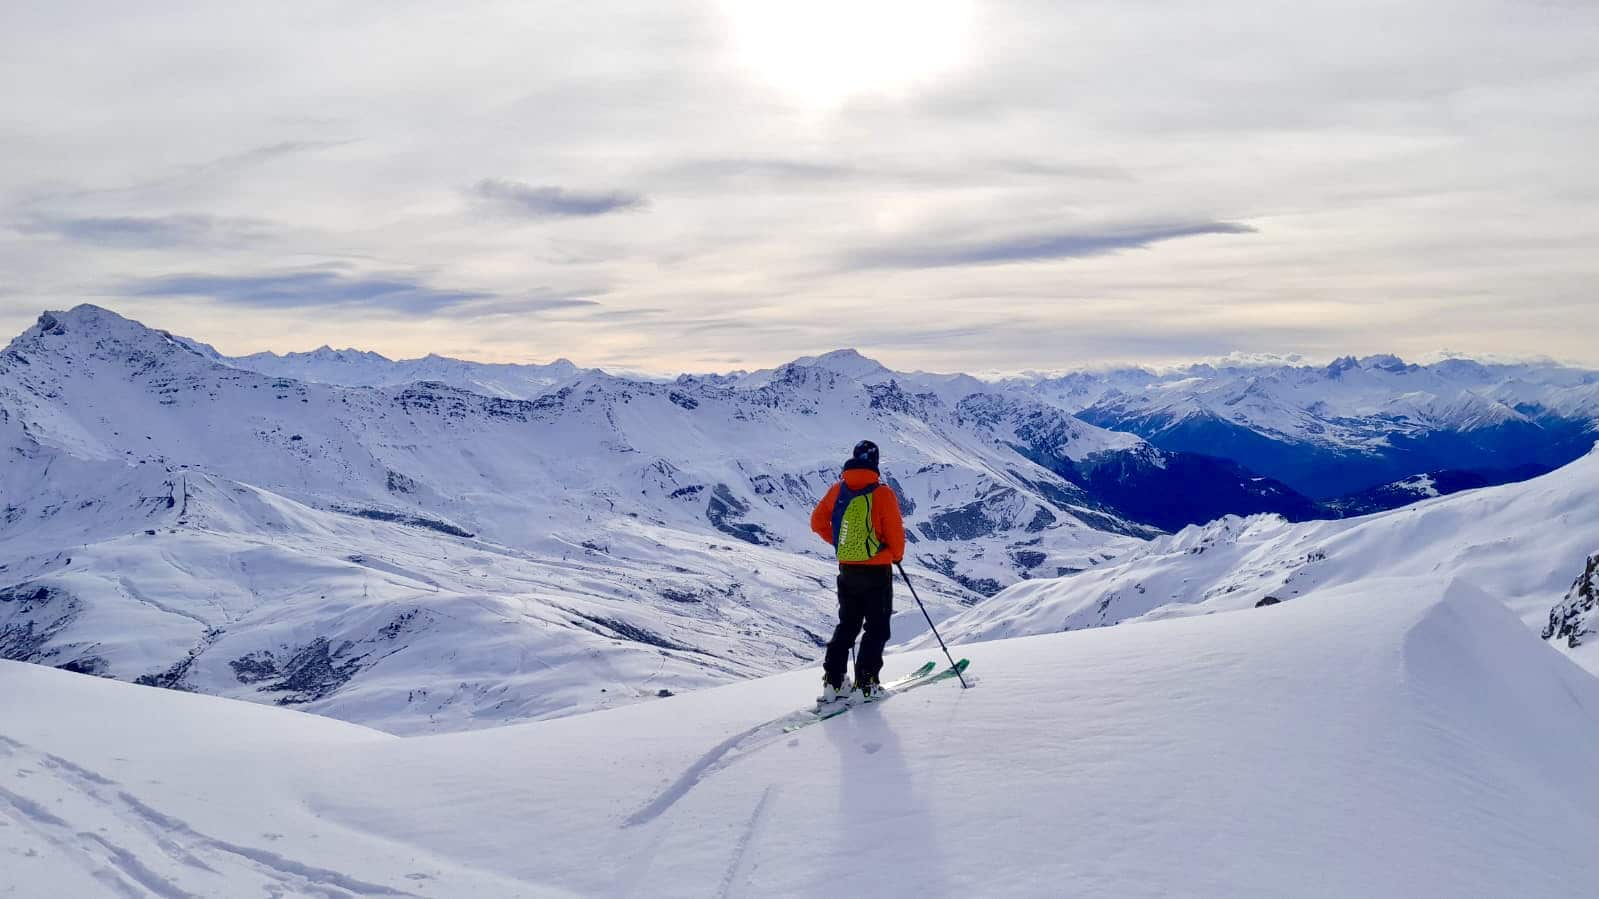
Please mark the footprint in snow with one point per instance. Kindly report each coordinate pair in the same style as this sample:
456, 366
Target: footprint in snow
871, 748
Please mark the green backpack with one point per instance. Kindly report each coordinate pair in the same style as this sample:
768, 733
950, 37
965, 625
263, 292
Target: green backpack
854, 539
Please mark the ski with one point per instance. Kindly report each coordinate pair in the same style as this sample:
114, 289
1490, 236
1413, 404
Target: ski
920, 677
926, 669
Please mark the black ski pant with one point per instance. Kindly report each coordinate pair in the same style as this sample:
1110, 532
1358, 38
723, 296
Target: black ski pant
865, 597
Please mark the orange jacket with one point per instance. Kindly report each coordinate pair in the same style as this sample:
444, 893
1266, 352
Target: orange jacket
886, 519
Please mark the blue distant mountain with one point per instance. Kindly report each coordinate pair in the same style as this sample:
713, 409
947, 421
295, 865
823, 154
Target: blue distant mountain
1333, 431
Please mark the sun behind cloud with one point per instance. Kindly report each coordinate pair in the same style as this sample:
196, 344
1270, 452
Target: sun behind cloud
825, 52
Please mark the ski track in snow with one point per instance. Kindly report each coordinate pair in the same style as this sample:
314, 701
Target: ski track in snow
736, 868
728, 752
132, 591
719, 757
121, 857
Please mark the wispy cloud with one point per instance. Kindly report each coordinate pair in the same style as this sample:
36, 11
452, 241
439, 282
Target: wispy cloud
544, 201
627, 315
1047, 168
230, 165
536, 302
920, 171
758, 168
309, 289
917, 338
268, 152
1033, 247
144, 232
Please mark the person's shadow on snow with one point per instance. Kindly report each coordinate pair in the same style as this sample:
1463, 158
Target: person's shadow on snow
887, 831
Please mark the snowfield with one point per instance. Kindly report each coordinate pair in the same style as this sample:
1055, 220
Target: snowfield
1398, 737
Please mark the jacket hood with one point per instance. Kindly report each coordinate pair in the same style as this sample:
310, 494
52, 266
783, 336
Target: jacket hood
856, 478
867, 465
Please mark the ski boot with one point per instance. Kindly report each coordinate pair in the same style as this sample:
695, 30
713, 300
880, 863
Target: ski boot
832, 691
869, 689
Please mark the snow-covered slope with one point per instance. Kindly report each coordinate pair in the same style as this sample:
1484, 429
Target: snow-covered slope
1351, 425
1394, 738
212, 585
1523, 543
174, 519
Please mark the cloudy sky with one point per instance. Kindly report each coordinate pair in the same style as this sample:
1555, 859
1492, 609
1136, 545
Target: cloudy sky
680, 186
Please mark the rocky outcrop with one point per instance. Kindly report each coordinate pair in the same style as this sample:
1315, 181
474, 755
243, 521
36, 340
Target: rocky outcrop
724, 511
1573, 618
305, 674
31, 617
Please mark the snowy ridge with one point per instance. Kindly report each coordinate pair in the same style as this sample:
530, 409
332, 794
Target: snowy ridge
1520, 542
1372, 740
359, 368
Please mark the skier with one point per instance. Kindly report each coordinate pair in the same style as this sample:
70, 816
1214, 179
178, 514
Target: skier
860, 517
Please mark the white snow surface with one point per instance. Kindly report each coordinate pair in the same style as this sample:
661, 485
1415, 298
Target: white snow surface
1396, 737
1523, 543
1421, 485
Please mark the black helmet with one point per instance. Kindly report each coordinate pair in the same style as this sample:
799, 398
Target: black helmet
863, 456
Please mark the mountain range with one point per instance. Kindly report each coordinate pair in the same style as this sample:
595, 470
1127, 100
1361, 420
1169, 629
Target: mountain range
433, 544
1348, 438
1352, 425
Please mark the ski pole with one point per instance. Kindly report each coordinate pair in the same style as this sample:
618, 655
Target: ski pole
952, 665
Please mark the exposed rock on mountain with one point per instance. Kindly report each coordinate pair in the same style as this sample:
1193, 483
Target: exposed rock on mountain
1572, 620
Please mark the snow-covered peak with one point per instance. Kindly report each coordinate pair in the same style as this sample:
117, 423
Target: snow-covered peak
1461, 410
348, 356
845, 366
87, 316
847, 362
88, 341
1386, 362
